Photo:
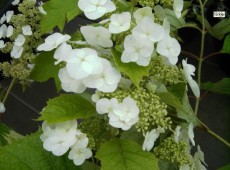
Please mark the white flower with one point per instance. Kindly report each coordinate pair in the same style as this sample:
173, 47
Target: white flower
147, 29
159, 12
26, 30
120, 22
83, 62
177, 134
140, 13
16, 51
151, 137
125, 114
58, 138
94, 9
62, 53
137, 50
105, 105
78, 154
178, 7
20, 40
2, 44
97, 36
105, 81
70, 84
15, 2
3, 19
82, 139
3, 31
53, 41
9, 31
95, 97
191, 134
40, 8
2, 108
169, 48
9, 15
189, 70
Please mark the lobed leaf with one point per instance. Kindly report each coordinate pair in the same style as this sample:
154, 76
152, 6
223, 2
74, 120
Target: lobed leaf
67, 107
125, 155
58, 11
226, 46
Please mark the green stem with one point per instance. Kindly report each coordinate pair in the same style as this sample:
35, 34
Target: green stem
203, 32
9, 90
205, 127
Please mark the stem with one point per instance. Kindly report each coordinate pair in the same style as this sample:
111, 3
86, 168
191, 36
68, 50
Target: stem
211, 55
189, 54
205, 127
8, 90
203, 32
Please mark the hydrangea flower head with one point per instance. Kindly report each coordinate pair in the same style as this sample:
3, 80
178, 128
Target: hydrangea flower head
94, 9
53, 41
97, 36
119, 22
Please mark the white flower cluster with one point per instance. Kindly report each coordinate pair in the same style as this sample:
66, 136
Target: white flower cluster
121, 115
84, 68
7, 32
59, 138
139, 47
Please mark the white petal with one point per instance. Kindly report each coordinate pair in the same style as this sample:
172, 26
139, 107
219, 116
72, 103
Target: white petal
191, 134
16, 51
20, 40
9, 15
62, 53
10, 31
103, 106
194, 86
26, 30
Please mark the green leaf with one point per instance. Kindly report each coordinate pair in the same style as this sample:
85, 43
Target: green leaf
173, 20
4, 130
226, 46
125, 155
177, 89
132, 70
221, 87
58, 11
89, 166
133, 135
13, 136
45, 69
165, 165
28, 153
220, 29
226, 167
67, 107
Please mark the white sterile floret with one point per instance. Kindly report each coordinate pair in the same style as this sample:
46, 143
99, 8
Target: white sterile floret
83, 62
125, 114
15, 2
9, 15
147, 29
177, 134
16, 51
159, 12
119, 22
20, 40
40, 8
140, 13
189, 70
9, 31
178, 7
2, 107
3, 31
26, 30
191, 133
137, 50
105, 105
79, 154
58, 138
2, 44
105, 81
169, 48
94, 9
97, 36
70, 84
53, 41
3, 19
62, 53
151, 137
